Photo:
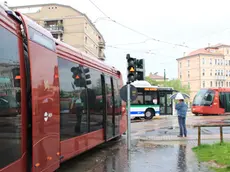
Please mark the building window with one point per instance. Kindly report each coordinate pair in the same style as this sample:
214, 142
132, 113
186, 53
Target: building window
222, 72
215, 61
203, 73
226, 62
86, 39
229, 62
210, 83
226, 84
203, 61
203, 84
216, 84
221, 62
188, 74
210, 61
189, 85
180, 76
226, 72
218, 62
211, 72
218, 73
222, 84
180, 65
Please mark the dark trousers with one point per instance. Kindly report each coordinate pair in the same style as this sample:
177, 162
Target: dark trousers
183, 130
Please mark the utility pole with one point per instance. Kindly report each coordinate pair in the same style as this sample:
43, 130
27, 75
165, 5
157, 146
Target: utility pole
128, 119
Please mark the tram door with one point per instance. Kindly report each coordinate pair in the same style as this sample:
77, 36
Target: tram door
108, 99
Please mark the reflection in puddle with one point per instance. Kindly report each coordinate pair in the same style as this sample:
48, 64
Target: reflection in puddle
158, 158
181, 162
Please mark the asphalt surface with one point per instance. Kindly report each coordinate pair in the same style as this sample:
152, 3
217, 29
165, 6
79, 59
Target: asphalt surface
160, 156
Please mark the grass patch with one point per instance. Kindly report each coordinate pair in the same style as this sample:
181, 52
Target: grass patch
218, 155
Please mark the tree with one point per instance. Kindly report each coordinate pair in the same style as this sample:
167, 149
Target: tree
175, 83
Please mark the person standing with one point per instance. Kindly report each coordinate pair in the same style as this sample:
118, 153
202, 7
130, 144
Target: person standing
182, 108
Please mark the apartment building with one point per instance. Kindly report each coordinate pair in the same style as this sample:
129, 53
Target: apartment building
68, 25
205, 67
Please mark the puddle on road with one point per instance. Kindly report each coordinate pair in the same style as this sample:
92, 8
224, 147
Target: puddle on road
166, 158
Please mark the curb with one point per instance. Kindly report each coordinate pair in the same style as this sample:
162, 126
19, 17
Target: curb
175, 138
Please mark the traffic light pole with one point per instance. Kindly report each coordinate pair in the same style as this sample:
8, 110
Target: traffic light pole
128, 117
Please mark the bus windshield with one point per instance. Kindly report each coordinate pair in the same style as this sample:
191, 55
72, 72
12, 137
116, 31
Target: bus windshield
204, 98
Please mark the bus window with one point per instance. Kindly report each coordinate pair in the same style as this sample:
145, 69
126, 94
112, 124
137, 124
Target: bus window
150, 97
10, 107
139, 99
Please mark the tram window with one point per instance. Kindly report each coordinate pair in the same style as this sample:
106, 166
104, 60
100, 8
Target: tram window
117, 97
109, 106
10, 106
41, 39
117, 102
95, 99
73, 101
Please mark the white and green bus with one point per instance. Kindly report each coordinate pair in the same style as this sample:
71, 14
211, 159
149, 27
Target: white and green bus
151, 101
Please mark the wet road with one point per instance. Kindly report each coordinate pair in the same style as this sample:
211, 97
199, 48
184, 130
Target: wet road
157, 157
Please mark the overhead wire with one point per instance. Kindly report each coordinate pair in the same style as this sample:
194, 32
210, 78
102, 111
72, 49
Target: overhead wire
134, 30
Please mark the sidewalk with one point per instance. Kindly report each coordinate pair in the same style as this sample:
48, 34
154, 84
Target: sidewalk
189, 138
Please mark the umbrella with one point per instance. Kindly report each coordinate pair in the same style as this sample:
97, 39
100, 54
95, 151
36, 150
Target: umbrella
179, 96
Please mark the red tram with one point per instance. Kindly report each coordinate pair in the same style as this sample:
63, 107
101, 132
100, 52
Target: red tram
212, 101
55, 102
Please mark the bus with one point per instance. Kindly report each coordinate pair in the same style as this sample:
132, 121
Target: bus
151, 101
211, 101
46, 116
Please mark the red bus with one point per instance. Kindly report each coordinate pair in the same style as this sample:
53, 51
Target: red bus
46, 117
212, 101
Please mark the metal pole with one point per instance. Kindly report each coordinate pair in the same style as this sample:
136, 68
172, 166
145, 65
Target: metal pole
128, 113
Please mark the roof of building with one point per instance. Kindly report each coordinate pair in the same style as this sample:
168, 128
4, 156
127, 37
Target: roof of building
221, 45
155, 76
67, 6
206, 51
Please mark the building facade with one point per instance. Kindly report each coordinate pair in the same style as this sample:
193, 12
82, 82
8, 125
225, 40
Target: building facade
205, 68
68, 25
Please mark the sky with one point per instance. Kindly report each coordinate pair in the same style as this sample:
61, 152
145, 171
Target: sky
163, 26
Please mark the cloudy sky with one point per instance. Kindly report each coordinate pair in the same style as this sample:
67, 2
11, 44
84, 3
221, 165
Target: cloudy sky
193, 23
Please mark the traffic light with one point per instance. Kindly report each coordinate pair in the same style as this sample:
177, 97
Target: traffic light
131, 68
16, 77
77, 76
87, 76
140, 69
